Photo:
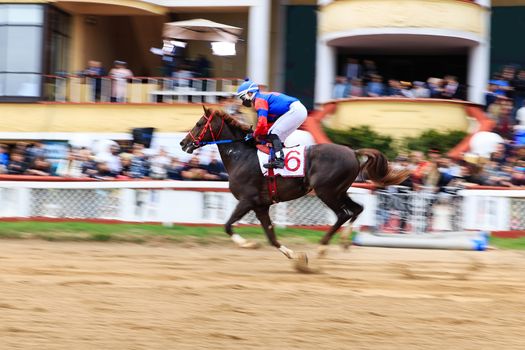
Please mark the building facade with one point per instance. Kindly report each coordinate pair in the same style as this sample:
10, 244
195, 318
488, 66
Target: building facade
295, 46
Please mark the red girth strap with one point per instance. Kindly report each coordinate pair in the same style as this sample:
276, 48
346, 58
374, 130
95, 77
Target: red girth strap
272, 186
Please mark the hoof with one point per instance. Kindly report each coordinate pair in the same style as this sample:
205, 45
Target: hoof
250, 245
322, 251
346, 245
300, 264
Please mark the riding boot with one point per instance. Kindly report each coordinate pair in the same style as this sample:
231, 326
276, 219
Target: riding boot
278, 162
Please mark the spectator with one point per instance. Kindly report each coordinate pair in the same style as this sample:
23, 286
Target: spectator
139, 165
112, 159
4, 158
119, 75
418, 167
17, 165
369, 70
375, 87
356, 88
194, 171
89, 164
39, 167
203, 66
159, 165
435, 85
125, 160
518, 84
21, 147
502, 85
93, 74
470, 175
451, 88
496, 108
496, 176
394, 88
103, 171
420, 90
406, 89
491, 96
520, 116
175, 169
448, 168
340, 88
217, 169
504, 121
168, 59
71, 166
35, 150
353, 69
518, 174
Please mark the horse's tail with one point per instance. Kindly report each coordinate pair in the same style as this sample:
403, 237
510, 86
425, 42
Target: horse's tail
378, 170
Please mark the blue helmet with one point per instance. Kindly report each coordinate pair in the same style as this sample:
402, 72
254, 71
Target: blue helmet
247, 86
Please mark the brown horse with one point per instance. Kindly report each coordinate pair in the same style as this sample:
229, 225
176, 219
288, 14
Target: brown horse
330, 171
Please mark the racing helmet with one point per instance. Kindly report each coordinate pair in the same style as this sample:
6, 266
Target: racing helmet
244, 88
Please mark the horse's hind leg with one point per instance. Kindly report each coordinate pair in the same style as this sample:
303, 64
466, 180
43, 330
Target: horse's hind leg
356, 210
345, 209
263, 214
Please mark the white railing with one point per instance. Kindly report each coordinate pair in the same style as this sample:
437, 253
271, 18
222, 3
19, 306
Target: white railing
79, 89
212, 203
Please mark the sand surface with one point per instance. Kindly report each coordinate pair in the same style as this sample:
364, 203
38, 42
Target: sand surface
125, 296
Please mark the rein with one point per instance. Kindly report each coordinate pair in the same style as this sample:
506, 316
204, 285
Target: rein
197, 141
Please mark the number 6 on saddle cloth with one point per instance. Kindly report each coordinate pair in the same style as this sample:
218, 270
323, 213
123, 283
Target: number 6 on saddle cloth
294, 161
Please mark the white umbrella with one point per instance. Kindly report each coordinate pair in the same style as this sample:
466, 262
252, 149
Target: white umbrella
201, 29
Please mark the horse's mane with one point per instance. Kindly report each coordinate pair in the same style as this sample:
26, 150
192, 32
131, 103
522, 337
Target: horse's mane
233, 121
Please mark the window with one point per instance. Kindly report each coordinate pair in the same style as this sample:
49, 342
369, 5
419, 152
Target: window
57, 41
21, 37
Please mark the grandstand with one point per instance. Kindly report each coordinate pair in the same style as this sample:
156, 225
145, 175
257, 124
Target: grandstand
295, 46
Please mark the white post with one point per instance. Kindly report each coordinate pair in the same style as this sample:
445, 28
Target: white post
325, 71
479, 61
127, 204
259, 42
478, 72
23, 200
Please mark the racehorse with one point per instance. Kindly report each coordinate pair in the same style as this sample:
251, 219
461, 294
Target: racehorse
330, 171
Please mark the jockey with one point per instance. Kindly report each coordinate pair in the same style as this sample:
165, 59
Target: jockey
278, 115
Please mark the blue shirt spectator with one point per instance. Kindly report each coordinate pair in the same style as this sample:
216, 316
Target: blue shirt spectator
139, 165
375, 88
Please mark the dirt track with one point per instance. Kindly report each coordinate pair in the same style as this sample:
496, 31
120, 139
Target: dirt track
126, 296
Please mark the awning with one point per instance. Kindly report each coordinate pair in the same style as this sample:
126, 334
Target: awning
201, 29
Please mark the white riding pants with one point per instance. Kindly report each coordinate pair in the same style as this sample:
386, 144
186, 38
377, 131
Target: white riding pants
289, 121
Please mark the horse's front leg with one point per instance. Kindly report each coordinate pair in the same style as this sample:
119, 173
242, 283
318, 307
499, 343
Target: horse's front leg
300, 260
263, 214
242, 208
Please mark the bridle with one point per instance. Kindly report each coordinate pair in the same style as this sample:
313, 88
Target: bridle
197, 140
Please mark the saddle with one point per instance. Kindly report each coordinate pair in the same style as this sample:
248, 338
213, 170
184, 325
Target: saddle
263, 149
271, 174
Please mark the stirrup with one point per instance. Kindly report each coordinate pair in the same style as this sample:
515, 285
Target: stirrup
274, 164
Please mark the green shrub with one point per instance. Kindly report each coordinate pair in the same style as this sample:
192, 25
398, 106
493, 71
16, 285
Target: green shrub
363, 137
433, 139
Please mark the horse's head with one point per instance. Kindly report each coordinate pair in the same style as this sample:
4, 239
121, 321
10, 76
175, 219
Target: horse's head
208, 128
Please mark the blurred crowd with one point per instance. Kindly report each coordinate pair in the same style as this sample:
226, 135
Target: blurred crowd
364, 80
115, 163
505, 167
504, 102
